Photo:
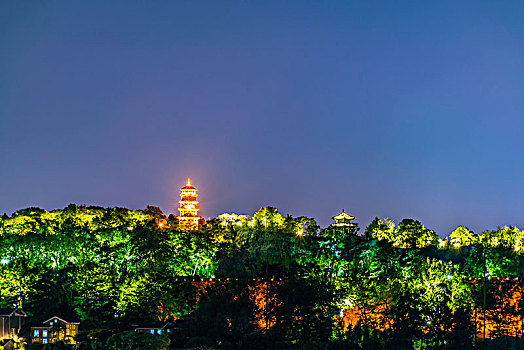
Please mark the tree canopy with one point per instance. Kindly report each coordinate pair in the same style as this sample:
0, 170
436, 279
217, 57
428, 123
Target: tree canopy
273, 277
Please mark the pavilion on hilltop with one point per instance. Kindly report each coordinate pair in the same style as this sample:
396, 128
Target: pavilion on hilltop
343, 220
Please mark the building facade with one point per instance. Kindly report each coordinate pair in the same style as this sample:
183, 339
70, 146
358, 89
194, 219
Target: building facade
56, 329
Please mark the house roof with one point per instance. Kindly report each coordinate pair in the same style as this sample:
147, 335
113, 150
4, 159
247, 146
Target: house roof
10, 311
153, 325
64, 319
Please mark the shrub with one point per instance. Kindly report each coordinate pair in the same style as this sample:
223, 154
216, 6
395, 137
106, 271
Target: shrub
131, 340
200, 343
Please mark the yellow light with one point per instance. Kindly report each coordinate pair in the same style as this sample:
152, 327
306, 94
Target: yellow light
300, 232
188, 218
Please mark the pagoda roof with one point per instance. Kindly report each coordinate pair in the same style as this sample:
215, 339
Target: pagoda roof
188, 186
343, 215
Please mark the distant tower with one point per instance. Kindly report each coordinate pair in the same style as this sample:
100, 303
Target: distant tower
188, 209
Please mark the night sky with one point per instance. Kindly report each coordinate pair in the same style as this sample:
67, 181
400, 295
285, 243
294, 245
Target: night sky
384, 108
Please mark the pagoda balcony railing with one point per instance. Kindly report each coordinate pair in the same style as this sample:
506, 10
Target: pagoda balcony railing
189, 193
188, 213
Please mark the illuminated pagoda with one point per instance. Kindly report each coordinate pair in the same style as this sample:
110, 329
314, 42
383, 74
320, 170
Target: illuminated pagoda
188, 219
343, 220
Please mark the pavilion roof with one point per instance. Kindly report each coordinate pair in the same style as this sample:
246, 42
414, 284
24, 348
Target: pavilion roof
343, 215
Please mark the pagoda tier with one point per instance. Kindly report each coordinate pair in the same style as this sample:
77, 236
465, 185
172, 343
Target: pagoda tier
188, 193
188, 213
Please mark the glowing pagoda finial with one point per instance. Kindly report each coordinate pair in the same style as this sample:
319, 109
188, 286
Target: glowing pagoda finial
188, 182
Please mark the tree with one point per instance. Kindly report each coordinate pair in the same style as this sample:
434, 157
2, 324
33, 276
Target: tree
268, 218
412, 234
381, 229
224, 311
461, 237
131, 340
306, 308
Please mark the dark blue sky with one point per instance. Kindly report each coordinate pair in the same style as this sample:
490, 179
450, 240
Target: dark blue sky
391, 109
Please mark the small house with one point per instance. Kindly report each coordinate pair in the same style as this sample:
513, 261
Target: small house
11, 320
56, 329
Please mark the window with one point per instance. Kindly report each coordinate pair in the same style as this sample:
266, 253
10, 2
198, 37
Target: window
158, 331
44, 333
152, 331
36, 333
45, 341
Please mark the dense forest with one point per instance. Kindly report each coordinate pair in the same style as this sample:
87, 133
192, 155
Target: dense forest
264, 281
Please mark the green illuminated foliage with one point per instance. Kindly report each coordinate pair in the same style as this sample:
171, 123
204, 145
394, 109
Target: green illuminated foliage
113, 267
381, 229
412, 234
131, 340
267, 218
461, 237
505, 237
